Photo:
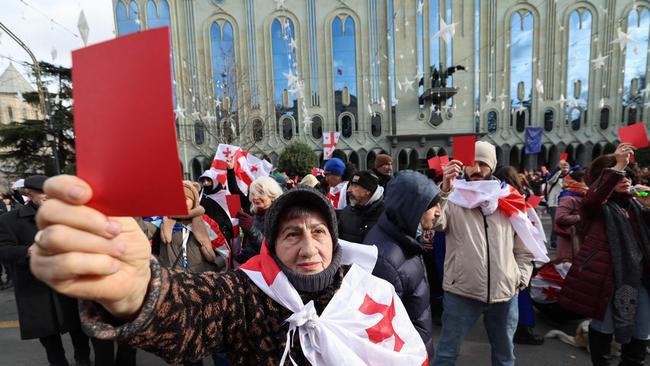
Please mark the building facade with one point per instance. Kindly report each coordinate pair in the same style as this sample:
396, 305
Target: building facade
401, 76
12, 106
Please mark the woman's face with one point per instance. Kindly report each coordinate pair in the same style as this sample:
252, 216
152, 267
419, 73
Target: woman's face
624, 185
261, 203
304, 244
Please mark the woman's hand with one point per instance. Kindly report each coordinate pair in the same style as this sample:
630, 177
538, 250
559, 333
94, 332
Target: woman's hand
622, 153
81, 253
645, 201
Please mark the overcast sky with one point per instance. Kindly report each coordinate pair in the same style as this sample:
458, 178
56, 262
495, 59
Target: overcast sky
32, 24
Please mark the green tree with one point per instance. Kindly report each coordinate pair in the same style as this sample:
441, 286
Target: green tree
297, 159
26, 147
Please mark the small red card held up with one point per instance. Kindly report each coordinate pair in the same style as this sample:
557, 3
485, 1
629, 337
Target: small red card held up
464, 149
564, 156
634, 134
234, 204
437, 163
124, 126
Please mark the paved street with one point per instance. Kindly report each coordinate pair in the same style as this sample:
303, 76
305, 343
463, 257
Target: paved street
475, 351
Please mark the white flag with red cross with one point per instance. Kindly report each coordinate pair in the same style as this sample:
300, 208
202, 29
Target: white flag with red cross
365, 322
248, 167
330, 139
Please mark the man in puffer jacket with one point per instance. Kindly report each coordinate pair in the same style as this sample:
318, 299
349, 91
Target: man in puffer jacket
411, 203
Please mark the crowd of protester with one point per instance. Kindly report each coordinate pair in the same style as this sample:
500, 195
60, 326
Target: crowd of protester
184, 287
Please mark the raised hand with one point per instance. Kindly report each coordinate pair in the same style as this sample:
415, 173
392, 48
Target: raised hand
622, 153
81, 253
449, 174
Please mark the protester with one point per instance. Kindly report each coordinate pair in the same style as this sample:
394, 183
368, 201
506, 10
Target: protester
16, 192
608, 281
189, 241
213, 200
366, 204
262, 192
42, 312
486, 261
554, 186
411, 205
335, 170
383, 169
567, 217
7, 204
311, 181
5, 267
182, 316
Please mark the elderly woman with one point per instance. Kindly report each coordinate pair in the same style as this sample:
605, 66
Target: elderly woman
609, 277
261, 193
303, 281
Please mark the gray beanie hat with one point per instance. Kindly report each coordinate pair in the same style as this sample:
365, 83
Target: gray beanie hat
486, 152
302, 196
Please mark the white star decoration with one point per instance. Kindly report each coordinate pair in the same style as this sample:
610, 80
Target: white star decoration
196, 115
293, 44
488, 98
539, 86
477, 114
623, 38
446, 32
502, 97
383, 104
180, 112
599, 62
420, 6
279, 4
217, 103
291, 78
406, 84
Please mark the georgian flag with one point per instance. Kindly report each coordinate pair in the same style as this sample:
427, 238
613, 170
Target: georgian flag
248, 167
218, 241
338, 195
364, 323
490, 195
546, 285
330, 139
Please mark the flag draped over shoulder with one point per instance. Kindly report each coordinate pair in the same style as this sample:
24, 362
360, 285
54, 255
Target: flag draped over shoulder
248, 167
491, 195
364, 323
338, 195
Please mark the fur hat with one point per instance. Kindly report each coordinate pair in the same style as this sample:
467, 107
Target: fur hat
382, 159
486, 153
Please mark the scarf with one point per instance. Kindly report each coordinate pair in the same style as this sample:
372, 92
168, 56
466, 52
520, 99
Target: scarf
573, 188
338, 195
199, 230
365, 322
627, 256
490, 195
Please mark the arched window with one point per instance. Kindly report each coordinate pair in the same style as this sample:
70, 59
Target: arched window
346, 125
578, 66
158, 17
199, 133
521, 62
549, 120
287, 128
10, 112
316, 127
492, 121
224, 69
258, 130
636, 64
285, 67
520, 120
128, 19
344, 63
604, 118
228, 130
375, 125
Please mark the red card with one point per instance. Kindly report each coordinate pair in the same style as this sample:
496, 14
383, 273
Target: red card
564, 156
444, 160
464, 149
634, 134
124, 121
438, 162
534, 200
234, 204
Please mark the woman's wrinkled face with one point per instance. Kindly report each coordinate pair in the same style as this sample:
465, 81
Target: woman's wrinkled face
261, 203
304, 245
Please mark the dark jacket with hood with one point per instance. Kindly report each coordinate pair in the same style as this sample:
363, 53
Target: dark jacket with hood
400, 260
213, 209
355, 221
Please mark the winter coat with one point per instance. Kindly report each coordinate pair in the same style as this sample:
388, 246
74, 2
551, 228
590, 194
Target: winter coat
253, 239
171, 255
485, 260
217, 313
400, 259
567, 217
589, 285
41, 311
3, 208
554, 188
356, 221
383, 179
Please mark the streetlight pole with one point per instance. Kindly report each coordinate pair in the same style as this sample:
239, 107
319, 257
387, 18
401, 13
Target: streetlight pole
41, 94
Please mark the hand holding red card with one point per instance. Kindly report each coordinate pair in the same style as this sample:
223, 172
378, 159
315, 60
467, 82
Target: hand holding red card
464, 149
124, 126
634, 134
564, 156
234, 204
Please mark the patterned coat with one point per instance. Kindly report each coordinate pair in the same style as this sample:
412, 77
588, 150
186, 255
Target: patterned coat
187, 317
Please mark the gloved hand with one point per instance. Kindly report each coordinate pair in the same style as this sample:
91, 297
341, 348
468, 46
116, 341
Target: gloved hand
245, 221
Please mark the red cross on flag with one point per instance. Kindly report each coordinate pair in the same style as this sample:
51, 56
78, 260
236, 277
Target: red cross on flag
330, 139
365, 322
248, 167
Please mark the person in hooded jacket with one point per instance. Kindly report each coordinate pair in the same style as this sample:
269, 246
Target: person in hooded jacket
214, 202
366, 204
411, 204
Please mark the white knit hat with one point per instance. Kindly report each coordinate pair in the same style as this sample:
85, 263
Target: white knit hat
486, 152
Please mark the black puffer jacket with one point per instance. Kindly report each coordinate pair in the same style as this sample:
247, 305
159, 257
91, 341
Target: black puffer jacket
400, 261
356, 221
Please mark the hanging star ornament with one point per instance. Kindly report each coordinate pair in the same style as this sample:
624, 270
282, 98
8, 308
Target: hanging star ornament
217, 103
306, 122
293, 44
196, 115
563, 101
383, 104
370, 110
488, 98
406, 84
420, 6
599, 62
477, 113
539, 86
209, 117
179, 112
82, 26
645, 90
623, 38
446, 32
291, 78
279, 4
